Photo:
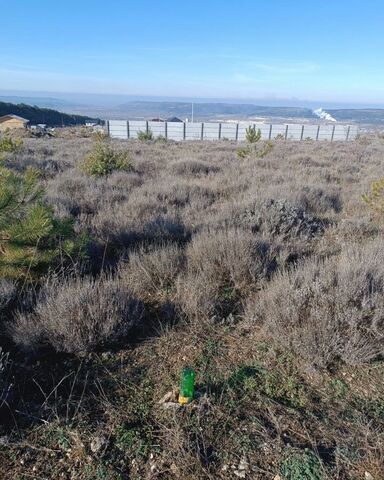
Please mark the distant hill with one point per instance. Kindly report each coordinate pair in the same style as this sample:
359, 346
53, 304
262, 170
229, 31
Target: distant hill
373, 116
216, 111
52, 118
42, 102
203, 111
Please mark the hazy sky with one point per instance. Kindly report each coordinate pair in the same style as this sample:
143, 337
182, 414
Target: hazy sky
328, 50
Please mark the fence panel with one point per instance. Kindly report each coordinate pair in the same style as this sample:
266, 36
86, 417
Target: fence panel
193, 131
136, 126
228, 131
175, 130
118, 129
311, 131
278, 129
124, 129
157, 128
211, 131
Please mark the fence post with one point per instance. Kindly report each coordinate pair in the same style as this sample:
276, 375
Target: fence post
184, 130
318, 133
166, 130
302, 133
348, 132
286, 132
128, 132
237, 132
219, 130
202, 130
146, 127
270, 131
333, 132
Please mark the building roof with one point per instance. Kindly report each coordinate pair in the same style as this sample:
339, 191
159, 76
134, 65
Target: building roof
174, 119
15, 117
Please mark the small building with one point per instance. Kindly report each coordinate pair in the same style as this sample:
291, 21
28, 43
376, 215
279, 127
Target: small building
11, 122
174, 119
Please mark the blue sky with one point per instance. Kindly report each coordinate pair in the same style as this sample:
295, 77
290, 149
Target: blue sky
326, 51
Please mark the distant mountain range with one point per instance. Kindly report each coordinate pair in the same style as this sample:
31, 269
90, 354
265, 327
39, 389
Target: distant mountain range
52, 118
79, 109
206, 111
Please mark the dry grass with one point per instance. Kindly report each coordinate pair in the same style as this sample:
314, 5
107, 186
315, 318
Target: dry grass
263, 274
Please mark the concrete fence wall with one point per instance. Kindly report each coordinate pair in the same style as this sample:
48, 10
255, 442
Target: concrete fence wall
127, 129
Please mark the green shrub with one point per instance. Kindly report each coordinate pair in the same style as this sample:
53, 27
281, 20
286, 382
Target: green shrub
280, 136
300, 464
105, 159
252, 135
30, 236
145, 136
10, 146
375, 199
256, 151
243, 153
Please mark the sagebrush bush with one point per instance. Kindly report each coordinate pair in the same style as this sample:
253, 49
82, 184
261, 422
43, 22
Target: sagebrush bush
77, 315
194, 168
152, 273
281, 218
5, 384
318, 201
222, 268
7, 292
105, 159
330, 310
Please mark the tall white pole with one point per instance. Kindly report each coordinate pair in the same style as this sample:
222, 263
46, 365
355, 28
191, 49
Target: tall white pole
192, 112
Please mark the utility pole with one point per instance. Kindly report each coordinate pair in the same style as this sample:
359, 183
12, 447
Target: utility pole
192, 112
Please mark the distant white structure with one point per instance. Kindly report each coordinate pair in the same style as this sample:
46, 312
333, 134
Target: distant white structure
324, 115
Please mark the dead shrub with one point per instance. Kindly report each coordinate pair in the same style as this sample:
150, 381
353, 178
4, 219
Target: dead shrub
328, 311
77, 315
222, 268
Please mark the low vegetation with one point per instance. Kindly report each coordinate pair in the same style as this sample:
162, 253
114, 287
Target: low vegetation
30, 237
123, 262
145, 136
8, 145
105, 159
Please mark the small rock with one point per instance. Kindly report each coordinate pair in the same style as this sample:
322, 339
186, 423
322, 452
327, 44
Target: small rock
167, 397
97, 444
277, 477
368, 476
171, 406
240, 473
243, 465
